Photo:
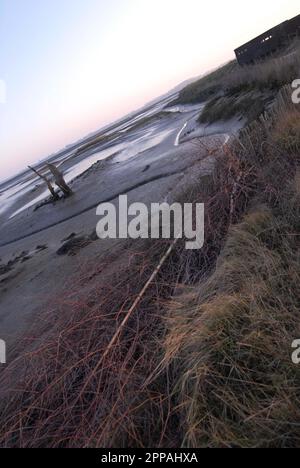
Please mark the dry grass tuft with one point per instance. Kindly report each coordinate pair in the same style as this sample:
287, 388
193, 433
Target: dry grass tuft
287, 132
230, 341
229, 338
66, 394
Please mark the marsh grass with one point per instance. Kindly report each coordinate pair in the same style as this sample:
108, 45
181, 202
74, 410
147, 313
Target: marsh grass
231, 80
205, 359
229, 337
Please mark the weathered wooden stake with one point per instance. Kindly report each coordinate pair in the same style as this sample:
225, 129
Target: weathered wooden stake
59, 180
47, 181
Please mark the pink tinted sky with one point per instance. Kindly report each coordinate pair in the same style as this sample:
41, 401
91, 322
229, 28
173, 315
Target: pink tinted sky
72, 66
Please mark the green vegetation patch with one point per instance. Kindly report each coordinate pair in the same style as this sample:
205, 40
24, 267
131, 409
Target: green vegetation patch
248, 106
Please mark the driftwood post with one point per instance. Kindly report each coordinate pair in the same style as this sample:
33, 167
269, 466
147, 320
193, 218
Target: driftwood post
47, 181
59, 180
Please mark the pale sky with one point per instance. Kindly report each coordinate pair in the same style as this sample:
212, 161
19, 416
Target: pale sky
72, 66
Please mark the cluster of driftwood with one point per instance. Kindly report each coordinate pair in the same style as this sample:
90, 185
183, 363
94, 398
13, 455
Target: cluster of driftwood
58, 180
